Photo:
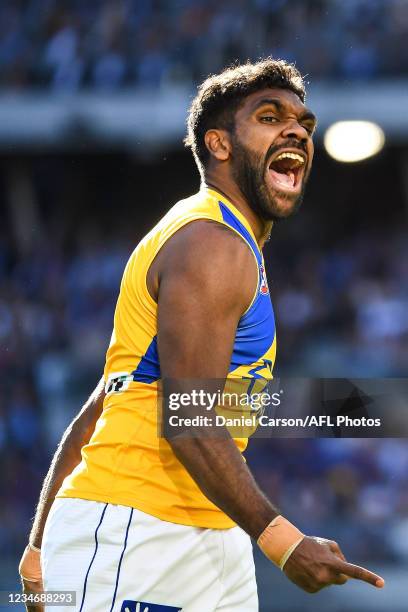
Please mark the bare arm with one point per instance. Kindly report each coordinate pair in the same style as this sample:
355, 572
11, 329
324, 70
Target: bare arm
201, 299
204, 280
67, 456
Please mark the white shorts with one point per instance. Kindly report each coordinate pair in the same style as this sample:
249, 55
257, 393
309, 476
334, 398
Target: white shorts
118, 559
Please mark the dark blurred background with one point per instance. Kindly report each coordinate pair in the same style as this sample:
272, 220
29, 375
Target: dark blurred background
92, 108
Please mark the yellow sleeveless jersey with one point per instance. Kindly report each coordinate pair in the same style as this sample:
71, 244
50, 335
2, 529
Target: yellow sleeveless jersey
126, 462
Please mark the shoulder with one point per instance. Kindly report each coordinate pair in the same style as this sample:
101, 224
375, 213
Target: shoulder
211, 245
211, 258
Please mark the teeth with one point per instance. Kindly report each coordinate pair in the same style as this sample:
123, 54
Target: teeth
285, 155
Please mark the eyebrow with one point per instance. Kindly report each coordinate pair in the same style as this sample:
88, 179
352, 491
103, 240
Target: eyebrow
307, 115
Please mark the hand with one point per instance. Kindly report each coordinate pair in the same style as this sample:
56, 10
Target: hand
317, 563
31, 578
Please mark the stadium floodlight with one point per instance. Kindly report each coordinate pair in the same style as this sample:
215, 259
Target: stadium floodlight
353, 141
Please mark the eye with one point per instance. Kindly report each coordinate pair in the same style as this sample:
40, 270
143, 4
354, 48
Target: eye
309, 129
269, 119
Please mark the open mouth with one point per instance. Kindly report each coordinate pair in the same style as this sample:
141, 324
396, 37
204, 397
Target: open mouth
286, 170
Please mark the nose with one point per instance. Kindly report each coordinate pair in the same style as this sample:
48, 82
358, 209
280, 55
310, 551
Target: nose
294, 130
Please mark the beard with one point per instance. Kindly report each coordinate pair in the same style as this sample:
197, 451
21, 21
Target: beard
249, 171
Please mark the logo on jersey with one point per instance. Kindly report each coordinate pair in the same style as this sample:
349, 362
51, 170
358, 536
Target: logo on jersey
118, 382
264, 289
143, 606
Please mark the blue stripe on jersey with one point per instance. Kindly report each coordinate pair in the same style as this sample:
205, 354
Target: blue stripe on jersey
148, 369
120, 560
255, 333
93, 558
256, 328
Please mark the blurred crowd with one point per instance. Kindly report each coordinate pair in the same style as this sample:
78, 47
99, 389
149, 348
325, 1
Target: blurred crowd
344, 309
109, 44
343, 489
341, 311
55, 319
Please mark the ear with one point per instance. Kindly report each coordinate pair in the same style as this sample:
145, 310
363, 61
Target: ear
218, 143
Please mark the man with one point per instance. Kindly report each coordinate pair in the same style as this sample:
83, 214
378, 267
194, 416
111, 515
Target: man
147, 523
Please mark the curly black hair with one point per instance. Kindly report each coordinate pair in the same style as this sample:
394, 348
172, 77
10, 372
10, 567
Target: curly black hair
220, 95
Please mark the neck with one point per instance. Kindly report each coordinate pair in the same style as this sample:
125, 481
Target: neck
259, 226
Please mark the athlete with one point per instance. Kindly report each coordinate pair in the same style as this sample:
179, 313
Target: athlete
134, 521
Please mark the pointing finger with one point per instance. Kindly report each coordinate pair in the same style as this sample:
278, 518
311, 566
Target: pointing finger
360, 573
